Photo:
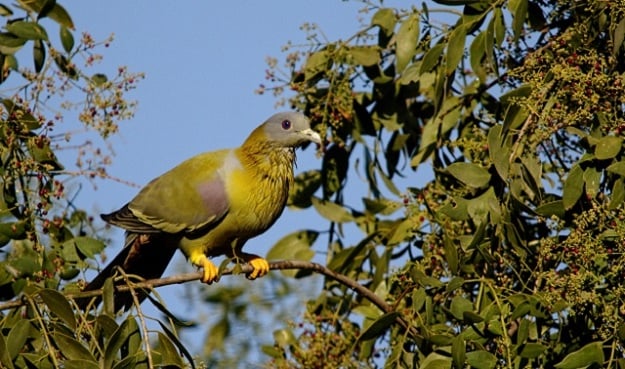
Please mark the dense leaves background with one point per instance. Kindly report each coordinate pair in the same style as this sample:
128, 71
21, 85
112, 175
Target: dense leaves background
473, 179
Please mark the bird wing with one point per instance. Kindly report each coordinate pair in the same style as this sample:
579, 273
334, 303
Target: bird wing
189, 198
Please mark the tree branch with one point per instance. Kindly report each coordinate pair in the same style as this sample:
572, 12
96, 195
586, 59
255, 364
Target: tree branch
245, 269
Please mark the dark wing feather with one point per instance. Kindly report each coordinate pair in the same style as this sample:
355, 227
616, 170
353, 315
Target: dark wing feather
145, 255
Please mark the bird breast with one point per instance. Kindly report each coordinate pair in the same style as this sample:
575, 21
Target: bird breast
262, 187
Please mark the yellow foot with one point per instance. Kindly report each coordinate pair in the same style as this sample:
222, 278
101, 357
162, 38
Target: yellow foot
259, 265
210, 273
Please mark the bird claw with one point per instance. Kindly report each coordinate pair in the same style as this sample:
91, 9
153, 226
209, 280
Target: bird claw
259, 265
210, 273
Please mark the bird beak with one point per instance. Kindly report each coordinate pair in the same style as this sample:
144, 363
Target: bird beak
311, 136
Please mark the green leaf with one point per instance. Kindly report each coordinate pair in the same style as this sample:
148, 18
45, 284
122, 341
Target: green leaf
618, 168
381, 206
59, 306
12, 231
532, 350
174, 339
284, 338
119, 338
169, 353
365, 55
9, 43
334, 169
592, 180
406, 40
481, 359
71, 348
402, 231
385, 19
218, 333
431, 58
436, 361
80, 364
316, 63
455, 48
41, 152
608, 147
573, 187
472, 175
618, 36
520, 13
303, 188
67, 39
458, 351
294, 246
27, 30
378, 327
460, 305
39, 55
551, 208
618, 194
590, 354
5, 358
331, 211
499, 149
17, 337
57, 13
88, 246
477, 51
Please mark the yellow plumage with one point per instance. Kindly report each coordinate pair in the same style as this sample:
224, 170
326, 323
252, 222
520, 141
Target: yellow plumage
211, 204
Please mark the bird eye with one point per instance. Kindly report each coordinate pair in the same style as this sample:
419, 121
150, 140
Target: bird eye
286, 124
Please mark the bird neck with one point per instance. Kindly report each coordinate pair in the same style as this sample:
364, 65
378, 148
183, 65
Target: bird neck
267, 159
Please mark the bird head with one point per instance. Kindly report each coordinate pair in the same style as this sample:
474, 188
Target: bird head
287, 130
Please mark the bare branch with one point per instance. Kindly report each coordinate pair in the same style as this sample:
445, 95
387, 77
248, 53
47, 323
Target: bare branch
244, 269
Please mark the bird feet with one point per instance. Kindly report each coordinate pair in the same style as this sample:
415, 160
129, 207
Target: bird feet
260, 266
210, 273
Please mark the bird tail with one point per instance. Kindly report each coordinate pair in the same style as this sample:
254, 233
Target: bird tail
144, 255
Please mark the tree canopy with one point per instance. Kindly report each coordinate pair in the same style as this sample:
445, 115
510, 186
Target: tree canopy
473, 182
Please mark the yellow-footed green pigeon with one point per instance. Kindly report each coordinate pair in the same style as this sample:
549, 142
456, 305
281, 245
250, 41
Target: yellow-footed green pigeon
210, 205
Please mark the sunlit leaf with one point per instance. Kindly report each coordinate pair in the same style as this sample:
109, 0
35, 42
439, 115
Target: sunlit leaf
294, 246
385, 19
406, 40
365, 55
432, 58
455, 48
315, 64
472, 175
481, 359
27, 30
608, 147
331, 211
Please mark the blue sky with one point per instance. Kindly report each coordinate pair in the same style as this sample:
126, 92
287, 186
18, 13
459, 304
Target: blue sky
202, 60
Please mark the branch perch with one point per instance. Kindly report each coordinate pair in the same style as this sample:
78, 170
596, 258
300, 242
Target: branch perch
245, 269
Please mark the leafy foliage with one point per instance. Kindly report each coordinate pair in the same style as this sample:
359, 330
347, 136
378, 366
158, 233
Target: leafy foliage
510, 253
503, 250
